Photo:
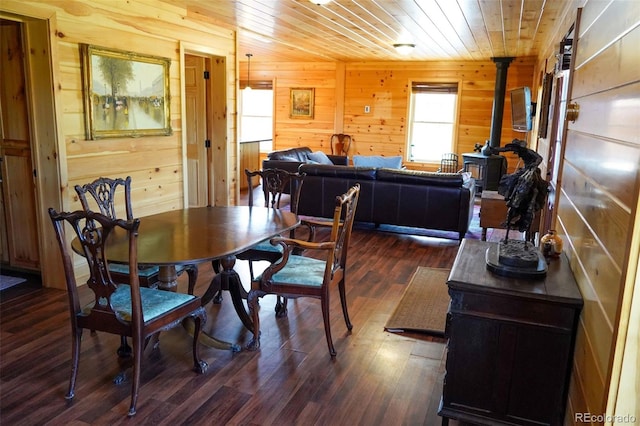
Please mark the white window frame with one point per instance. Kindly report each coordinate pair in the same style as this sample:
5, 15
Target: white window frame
451, 146
266, 141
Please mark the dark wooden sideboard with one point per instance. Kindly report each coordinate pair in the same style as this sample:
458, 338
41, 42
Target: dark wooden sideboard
510, 343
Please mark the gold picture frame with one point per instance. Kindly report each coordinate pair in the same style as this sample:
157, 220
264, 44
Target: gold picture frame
301, 102
125, 94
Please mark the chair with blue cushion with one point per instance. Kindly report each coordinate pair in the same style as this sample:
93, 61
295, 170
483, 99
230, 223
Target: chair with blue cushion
112, 197
295, 275
275, 184
125, 309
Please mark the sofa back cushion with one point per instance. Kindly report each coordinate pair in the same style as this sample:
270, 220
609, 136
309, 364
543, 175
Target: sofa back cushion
319, 157
345, 172
293, 154
377, 161
418, 177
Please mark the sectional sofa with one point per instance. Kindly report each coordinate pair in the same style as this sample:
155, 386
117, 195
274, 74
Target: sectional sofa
438, 201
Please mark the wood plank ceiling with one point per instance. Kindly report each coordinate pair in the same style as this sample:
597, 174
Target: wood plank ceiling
365, 30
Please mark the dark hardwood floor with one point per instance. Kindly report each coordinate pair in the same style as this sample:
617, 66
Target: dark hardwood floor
377, 378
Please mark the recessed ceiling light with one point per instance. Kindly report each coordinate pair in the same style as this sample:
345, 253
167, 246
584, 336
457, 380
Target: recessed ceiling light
320, 2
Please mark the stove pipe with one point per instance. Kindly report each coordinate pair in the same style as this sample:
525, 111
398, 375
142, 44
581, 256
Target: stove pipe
502, 65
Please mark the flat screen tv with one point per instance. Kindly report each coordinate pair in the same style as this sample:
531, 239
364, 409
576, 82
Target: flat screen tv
521, 109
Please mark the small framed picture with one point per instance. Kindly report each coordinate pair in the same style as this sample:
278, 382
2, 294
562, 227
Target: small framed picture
301, 103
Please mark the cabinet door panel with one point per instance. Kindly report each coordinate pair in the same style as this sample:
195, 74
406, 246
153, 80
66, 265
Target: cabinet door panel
539, 369
471, 363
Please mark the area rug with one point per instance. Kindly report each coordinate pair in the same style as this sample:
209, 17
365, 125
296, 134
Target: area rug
423, 306
7, 281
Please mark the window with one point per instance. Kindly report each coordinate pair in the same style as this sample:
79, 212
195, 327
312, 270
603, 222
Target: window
256, 117
432, 120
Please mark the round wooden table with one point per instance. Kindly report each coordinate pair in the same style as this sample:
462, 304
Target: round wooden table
195, 235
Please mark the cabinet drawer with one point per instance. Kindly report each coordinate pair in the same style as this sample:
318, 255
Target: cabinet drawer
509, 308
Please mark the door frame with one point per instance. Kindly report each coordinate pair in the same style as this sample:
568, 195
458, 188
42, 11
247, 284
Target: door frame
47, 157
219, 172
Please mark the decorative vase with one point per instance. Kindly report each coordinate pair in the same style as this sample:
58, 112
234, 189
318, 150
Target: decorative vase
551, 244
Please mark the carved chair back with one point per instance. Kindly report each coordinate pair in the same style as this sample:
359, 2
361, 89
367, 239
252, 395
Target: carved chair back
295, 275
104, 193
343, 218
340, 144
92, 231
276, 182
118, 308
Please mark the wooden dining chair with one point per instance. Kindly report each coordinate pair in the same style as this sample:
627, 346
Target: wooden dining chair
275, 184
295, 275
340, 144
118, 308
112, 197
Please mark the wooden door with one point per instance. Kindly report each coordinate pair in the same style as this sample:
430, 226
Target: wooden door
196, 131
19, 230
556, 139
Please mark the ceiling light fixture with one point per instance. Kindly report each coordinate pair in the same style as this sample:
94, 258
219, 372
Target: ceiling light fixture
320, 2
404, 48
248, 87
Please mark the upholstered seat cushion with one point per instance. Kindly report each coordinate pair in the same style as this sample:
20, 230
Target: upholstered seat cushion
144, 271
267, 246
154, 302
301, 270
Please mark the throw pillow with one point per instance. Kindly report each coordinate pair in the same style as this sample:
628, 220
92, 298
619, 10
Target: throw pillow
377, 161
319, 157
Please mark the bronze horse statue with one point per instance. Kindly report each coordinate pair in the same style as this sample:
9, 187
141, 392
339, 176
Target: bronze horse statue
524, 190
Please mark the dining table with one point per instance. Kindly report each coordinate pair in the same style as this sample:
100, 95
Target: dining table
199, 234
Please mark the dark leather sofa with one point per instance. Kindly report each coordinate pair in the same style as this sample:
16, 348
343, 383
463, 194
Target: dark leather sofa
291, 159
439, 201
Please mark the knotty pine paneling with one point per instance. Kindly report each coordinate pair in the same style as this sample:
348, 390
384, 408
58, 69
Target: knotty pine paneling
155, 163
384, 87
129, 26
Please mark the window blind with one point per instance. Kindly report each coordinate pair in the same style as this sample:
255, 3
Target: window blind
427, 87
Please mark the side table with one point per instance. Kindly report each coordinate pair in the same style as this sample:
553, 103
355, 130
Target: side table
493, 214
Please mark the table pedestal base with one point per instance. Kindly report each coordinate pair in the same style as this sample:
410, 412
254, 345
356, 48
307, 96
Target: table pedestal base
228, 279
168, 278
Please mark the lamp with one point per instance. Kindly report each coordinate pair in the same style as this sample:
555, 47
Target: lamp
404, 48
320, 2
248, 55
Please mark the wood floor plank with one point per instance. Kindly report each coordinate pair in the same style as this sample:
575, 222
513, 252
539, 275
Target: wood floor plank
377, 377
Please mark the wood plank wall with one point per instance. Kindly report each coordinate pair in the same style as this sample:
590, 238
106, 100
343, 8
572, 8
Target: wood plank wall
597, 212
155, 162
384, 87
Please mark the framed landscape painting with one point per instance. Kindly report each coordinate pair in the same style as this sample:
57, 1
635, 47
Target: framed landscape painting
125, 94
301, 103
